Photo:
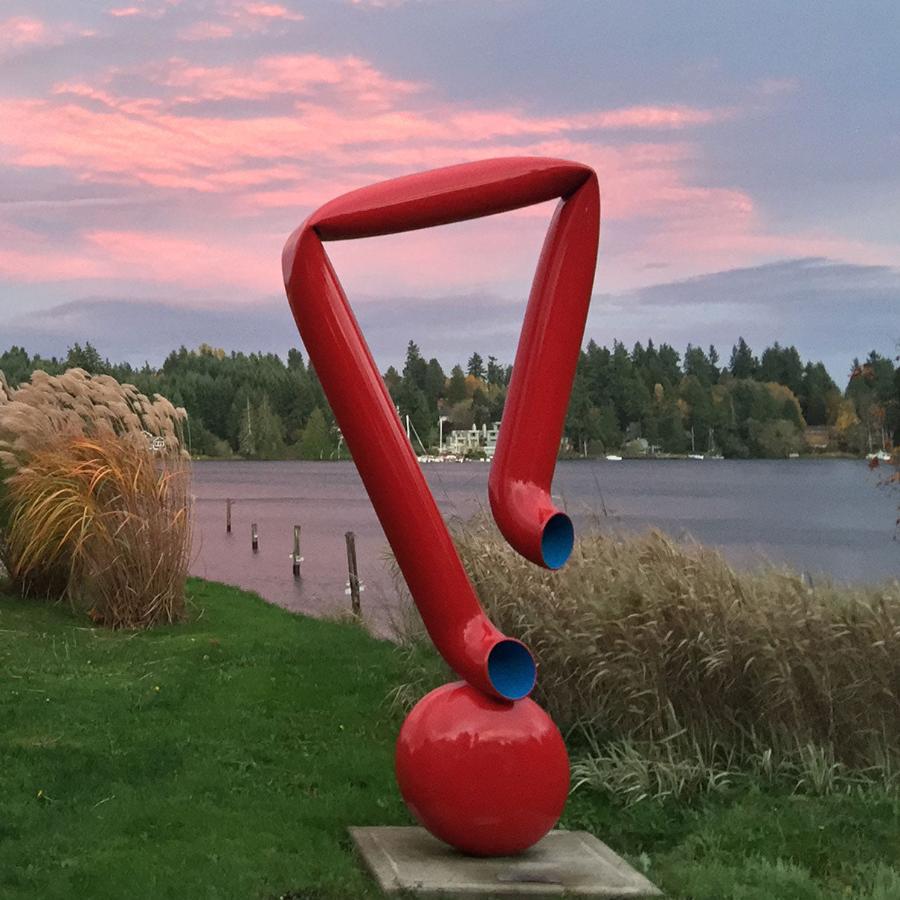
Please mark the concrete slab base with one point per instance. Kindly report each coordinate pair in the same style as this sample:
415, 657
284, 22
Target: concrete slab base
572, 863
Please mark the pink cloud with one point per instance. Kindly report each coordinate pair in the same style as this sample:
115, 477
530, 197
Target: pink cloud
299, 75
142, 141
143, 9
267, 11
181, 259
239, 16
225, 261
22, 31
51, 265
206, 31
28, 257
663, 117
338, 123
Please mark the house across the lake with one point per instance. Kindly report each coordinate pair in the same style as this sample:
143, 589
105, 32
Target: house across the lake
484, 439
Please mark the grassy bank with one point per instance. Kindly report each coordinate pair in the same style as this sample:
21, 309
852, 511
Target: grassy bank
225, 758
220, 758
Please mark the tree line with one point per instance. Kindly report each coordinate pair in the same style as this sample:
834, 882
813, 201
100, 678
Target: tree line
647, 399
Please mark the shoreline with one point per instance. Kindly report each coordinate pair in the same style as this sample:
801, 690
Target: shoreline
659, 457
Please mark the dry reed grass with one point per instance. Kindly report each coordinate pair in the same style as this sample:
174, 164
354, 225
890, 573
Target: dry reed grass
76, 403
660, 651
91, 513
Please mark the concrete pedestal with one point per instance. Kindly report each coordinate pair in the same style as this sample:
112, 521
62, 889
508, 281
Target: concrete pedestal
571, 863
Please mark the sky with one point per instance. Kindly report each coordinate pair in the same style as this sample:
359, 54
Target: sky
156, 154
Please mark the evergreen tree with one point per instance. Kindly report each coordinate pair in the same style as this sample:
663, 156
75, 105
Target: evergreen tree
713, 356
16, 365
481, 408
672, 434
667, 366
818, 394
202, 442
259, 403
606, 428
598, 373
456, 389
393, 381
497, 401
316, 442
475, 366
871, 390
87, 358
579, 421
781, 365
294, 401
494, 372
628, 390
269, 437
698, 364
295, 361
698, 401
415, 368
412, 402
246, 435
318, 394
435, 383
743, 363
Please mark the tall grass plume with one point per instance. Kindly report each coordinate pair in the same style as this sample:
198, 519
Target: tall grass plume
95, 497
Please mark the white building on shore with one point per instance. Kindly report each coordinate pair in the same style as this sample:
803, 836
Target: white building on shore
484, 439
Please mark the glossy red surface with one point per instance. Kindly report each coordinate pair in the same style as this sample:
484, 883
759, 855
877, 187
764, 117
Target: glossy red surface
536, 406
487, 777
538, 395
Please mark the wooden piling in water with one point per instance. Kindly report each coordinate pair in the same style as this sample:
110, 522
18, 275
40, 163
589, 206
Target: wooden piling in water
228, 515
254, 537
295, 556
354, 574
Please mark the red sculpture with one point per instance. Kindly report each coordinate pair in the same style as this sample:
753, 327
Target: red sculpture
499, 667
487, 776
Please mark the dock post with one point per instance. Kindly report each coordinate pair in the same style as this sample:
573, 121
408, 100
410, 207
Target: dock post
295, 556
354, 574
228, 515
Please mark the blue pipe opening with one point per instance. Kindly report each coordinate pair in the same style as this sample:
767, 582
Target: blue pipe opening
511, 669
557, 540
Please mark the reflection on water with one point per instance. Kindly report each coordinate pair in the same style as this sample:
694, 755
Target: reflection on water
824, 516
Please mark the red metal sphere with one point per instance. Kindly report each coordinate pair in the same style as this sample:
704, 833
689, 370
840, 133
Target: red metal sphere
486, 776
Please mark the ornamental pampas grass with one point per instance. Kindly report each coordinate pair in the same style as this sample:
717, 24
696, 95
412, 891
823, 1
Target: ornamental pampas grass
93, 514
76, 403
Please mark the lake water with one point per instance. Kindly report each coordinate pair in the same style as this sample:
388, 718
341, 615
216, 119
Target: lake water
821, 516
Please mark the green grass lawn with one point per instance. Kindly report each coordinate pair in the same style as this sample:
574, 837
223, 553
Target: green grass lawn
221, 758
227, 756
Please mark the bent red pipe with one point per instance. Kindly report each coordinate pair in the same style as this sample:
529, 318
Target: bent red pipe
538, 395
468, 641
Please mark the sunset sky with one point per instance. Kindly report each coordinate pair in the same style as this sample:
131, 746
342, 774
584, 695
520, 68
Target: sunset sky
155, 155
